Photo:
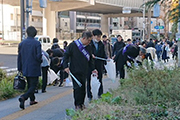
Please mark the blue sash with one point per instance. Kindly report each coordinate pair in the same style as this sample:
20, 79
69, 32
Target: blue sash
125, 49
82, 49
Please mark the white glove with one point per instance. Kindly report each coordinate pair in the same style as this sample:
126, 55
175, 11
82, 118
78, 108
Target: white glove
129, 64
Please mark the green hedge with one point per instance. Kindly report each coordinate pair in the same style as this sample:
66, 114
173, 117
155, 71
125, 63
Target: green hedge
145, 95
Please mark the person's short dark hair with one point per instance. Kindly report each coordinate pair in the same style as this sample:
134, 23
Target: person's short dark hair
31, 31
86, 34
65, 42
96, 32
128, 40
55, 60
104, 36
49, 51
119, 36
55, 40
150, 39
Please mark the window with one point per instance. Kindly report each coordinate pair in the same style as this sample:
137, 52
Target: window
32, 19
40, 40
65, 23
44, 40
115, 24
48, 40
39, 20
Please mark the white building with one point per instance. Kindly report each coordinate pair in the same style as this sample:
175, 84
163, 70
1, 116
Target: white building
10, 20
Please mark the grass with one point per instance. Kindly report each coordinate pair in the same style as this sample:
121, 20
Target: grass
6, 86
146, 95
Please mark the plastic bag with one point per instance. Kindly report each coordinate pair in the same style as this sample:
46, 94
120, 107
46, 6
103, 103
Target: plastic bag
111, 69
52, 76
95, 84
68, 81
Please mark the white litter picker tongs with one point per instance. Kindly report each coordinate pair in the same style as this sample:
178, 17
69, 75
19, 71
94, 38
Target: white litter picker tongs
77, 81
102, 58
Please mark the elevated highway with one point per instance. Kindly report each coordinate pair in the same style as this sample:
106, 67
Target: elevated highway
107, 8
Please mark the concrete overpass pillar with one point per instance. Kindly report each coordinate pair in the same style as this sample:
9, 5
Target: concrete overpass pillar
49, 22
104, 25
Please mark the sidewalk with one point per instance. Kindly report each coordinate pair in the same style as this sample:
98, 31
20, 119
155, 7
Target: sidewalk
52, 104
10, 50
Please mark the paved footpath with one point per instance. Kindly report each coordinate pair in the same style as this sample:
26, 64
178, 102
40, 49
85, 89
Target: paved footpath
52, 104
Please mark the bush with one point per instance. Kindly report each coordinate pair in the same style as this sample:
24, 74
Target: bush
146, 94
6, 88
2, 74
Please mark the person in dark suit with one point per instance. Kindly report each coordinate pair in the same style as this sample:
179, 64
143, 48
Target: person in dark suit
29, 63
97, 51
78, 55
117, 46
127, 55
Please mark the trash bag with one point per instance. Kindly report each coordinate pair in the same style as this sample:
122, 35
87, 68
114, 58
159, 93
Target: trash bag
68, 81
111, 69
95, 84
19, 82
52, 76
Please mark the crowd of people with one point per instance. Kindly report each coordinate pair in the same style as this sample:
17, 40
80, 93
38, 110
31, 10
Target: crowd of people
81, 59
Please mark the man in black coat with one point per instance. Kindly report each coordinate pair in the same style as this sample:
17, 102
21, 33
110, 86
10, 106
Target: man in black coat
117, 46
98, 51
29, 63
79, 55
127, 55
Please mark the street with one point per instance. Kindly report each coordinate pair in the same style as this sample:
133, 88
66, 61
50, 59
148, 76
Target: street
9, 61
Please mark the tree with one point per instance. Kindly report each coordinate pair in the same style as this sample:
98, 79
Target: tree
169, 9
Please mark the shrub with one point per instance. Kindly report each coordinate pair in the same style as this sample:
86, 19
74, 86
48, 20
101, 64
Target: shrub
2, 74
146, 94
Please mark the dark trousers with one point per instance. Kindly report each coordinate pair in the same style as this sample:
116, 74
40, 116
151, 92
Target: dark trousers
122, 72
79, 92
89, 93
44, 77
32, 83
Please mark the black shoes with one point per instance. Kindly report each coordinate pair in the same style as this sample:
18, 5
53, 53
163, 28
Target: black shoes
43, 91
33, 102
21, 100
61, 84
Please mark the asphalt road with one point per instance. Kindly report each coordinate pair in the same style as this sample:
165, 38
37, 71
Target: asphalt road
9, 61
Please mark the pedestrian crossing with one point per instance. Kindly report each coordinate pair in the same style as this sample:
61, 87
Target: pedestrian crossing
9, 71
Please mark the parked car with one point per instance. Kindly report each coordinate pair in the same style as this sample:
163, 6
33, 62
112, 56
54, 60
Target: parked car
45, 41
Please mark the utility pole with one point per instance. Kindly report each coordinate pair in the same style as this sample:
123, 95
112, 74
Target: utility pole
2, 21
149, 24
144, 20
23, 33
178, 38
27, 13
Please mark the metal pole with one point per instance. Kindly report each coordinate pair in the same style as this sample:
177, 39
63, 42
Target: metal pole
22, 21
179, 40
2, 22
27, 13
143, 19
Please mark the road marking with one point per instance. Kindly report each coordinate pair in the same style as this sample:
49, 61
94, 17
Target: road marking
35, 107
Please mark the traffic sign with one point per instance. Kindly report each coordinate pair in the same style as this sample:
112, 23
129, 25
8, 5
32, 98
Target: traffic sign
159, 27
156, 27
